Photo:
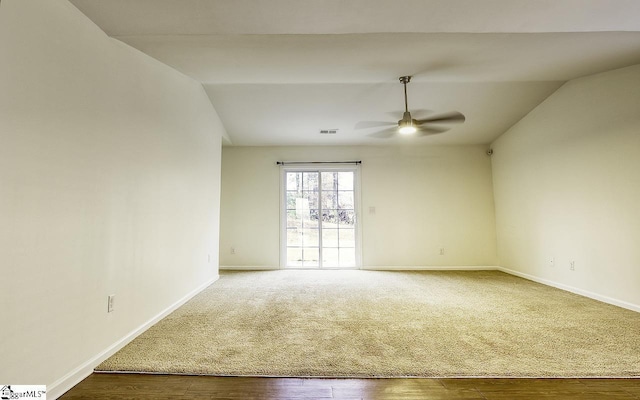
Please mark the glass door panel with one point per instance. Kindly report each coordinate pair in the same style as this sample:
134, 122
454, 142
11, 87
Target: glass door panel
302, 210
340, 222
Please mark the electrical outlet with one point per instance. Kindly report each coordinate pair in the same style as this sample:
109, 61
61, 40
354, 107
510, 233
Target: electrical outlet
572, 265
110, 300
233, 250
441, 251
552, 262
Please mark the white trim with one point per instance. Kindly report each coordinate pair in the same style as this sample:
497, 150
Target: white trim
357, 204
282, 229
433, 268
355, 168
75, 376
572, 289
248, 268
374, 268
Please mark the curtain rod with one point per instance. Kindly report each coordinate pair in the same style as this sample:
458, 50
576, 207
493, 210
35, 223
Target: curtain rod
316, 162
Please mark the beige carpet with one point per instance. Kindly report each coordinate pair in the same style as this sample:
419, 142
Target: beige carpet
387, 324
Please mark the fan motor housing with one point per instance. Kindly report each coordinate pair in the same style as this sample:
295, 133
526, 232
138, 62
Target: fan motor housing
406, 119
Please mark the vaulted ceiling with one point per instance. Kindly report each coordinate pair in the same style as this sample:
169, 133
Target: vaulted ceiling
279, 71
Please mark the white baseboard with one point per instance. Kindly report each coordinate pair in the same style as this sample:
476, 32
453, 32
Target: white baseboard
62, 385
375, 268
433, 268
581, 292
247, 268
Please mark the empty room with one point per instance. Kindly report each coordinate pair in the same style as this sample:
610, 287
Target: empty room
208, 199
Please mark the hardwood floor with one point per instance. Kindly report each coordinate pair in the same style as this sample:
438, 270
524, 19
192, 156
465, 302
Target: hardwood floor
161, 387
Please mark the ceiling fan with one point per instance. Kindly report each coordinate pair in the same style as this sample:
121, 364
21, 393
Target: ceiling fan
409, 126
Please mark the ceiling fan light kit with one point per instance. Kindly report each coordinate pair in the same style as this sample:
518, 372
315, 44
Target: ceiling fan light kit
406, 124
407, 129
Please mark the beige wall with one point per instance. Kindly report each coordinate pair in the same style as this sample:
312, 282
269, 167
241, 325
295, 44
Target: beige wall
567, 187
109, 184
425, 198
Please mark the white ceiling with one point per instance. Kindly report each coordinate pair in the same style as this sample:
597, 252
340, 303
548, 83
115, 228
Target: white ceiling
278, 71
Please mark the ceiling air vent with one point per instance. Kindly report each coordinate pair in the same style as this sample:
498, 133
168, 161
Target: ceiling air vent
328, 131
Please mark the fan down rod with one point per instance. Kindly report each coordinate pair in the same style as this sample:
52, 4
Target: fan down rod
404, 80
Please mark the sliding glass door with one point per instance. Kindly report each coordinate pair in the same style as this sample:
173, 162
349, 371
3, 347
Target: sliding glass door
320, 218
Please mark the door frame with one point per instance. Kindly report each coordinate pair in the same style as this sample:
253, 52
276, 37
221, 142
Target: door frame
356, 204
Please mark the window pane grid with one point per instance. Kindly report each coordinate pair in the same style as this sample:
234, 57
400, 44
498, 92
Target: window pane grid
320, 223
